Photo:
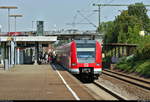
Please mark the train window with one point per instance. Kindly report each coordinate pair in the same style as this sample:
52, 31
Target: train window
86, 52
86, 56
85, 45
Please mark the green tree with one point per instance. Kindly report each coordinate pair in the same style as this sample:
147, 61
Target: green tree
126, 26
139, 11
107, 29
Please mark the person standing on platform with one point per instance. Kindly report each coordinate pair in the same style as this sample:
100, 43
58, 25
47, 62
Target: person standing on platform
49, 58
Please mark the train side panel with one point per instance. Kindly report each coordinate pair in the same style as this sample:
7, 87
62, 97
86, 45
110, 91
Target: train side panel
73, 57
98, 59
63, 56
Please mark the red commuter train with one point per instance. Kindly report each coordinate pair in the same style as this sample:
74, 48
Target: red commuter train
81, 57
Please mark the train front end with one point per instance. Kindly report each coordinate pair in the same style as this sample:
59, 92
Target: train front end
86, 58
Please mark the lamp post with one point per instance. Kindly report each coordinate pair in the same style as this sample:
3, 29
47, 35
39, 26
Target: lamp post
15, 16
8, 8
14, 49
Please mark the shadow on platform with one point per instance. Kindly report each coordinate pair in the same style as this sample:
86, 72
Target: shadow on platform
58, 67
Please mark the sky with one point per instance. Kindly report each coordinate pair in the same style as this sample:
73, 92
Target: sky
59, 14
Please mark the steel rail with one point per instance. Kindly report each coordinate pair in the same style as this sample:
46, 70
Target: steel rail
114, 94
126, 79
141, 80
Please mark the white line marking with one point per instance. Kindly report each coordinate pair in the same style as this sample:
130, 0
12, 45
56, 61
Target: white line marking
73, 93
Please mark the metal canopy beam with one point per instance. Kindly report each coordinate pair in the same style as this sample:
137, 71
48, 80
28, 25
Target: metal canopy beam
29, 38
115, 5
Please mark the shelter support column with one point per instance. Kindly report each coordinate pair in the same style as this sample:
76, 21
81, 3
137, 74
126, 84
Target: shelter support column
36, 53
18, 56
12, 53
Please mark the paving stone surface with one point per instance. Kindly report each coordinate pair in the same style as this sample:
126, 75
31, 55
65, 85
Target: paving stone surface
38, 82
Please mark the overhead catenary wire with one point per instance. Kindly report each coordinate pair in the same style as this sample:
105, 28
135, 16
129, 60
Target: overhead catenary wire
91, 14
86, 19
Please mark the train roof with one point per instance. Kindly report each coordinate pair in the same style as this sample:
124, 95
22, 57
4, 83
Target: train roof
78, 42
85, 41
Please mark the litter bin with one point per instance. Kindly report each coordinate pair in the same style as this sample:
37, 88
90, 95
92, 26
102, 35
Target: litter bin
6, 66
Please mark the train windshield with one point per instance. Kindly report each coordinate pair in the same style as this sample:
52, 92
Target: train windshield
86, 53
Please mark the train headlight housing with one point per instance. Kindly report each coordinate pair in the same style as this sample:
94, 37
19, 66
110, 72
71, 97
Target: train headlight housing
74, 64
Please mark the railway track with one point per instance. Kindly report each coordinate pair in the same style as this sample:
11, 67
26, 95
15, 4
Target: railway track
109, 91
129, 79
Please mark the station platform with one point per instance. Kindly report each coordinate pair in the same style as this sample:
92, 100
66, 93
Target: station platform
39, 82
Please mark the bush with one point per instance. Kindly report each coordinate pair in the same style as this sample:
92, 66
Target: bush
130, 64
106, 62
143, 53
107, 59
124, 64
144, 68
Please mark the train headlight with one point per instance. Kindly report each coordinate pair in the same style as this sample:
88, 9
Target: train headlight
98, 64
74, 64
